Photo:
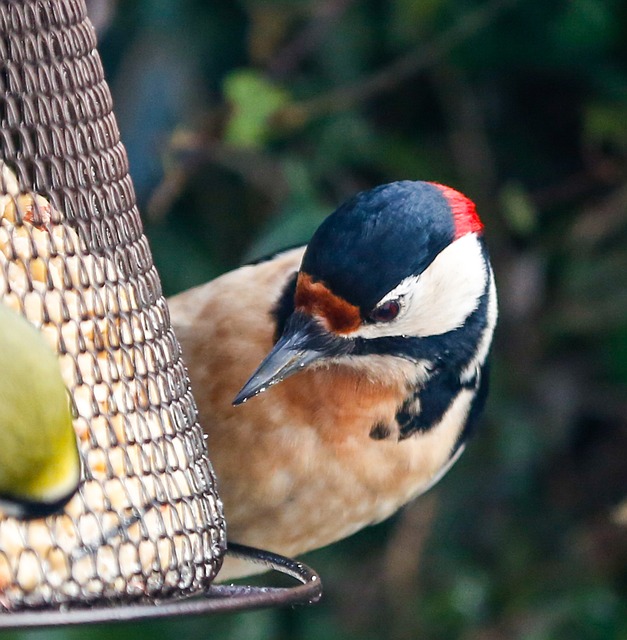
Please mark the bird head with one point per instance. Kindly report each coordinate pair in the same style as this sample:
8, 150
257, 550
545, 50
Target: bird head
387, 273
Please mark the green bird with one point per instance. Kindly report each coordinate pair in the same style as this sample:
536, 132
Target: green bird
40, 466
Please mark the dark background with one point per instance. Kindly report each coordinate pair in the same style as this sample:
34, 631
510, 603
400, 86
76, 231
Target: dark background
246, 122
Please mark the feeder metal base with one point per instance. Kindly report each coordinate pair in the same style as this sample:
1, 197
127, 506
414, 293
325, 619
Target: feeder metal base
216, 599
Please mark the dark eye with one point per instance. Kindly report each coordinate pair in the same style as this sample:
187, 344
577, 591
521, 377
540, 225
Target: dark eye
386, 311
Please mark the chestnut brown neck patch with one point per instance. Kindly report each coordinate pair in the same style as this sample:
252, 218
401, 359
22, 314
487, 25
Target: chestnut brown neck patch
316, 299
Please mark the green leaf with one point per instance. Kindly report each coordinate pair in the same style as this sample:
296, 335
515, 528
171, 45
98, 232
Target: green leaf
585, 26
518, 209
606, 123
254, 100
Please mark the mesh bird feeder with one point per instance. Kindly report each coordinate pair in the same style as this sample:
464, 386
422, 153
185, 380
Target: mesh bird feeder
146, 524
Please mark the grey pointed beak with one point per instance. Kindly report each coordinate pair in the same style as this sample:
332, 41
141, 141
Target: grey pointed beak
289, 355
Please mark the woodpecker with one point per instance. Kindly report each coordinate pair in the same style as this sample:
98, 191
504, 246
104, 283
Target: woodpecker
368, 350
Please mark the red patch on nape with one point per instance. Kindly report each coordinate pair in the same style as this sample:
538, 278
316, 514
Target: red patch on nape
465, 214
316, 299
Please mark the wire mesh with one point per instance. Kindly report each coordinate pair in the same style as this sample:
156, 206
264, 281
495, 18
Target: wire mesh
147, 522
215, 599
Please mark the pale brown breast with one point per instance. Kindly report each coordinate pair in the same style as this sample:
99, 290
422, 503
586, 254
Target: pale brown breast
297, 467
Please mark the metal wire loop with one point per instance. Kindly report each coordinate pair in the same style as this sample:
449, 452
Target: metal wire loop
216, 599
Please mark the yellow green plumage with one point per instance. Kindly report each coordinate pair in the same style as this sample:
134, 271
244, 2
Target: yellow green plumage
39, 460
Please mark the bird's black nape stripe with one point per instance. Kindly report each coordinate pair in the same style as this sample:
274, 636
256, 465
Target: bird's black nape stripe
451, 353
433, 402
476, 408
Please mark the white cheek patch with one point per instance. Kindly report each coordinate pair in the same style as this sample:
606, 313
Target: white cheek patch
439, 299
484, 346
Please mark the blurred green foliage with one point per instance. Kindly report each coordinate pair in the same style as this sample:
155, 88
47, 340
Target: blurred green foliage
253, 101
247, 122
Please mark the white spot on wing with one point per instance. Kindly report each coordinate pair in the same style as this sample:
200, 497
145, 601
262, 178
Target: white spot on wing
486, 339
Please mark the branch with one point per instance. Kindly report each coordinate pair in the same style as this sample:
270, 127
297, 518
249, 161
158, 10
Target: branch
291, 55
404, 67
